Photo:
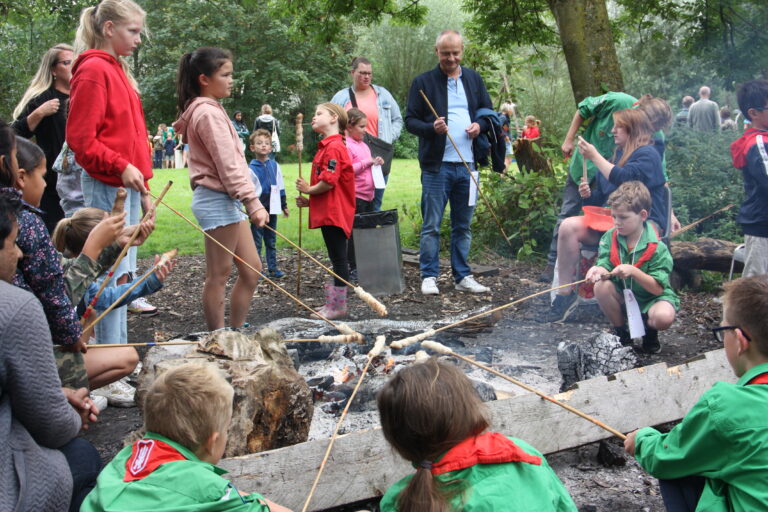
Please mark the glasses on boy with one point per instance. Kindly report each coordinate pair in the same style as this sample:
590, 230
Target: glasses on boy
719, 332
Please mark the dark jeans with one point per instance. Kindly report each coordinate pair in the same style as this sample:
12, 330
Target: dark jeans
336, 243
570, 208
361, 206
378, 195
269, 238
84, 464
682, 494
157, 159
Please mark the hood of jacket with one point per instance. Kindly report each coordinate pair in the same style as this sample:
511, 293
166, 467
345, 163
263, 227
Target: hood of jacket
266, 118
95, 54
182, 123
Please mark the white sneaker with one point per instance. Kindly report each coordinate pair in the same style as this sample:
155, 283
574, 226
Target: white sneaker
99, 401
118, 394
429, 286
468, 284
142, 307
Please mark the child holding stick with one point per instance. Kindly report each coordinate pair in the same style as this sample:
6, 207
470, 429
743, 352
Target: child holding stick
221, 183
432, 416
331, 200
716, 458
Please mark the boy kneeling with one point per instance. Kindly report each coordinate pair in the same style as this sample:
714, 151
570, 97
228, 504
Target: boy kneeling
718, 455
638, 265
187, 413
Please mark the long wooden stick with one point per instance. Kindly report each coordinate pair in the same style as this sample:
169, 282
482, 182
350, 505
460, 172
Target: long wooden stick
376, 350
241, 260
696, 223
167, 256
122, 254
148, 344
299, 147
439, 347
469, 170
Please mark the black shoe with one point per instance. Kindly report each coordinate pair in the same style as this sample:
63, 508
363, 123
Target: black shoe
651, 343
623, 333
561, 307
353, 275
548, 274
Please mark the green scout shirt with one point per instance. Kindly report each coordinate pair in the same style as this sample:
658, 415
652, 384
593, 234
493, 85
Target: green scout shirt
509, 486
177, 486
724, 438
658, 267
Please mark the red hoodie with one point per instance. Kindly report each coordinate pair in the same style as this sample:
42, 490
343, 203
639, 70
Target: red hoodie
106, 127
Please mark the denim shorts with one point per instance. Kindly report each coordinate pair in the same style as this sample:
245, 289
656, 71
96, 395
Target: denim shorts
214, 209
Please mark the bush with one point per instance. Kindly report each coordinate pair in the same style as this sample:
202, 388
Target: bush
407, 146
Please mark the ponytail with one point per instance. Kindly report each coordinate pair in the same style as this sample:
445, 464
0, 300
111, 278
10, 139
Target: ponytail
71, 233
422, 494
203, 61
8, 174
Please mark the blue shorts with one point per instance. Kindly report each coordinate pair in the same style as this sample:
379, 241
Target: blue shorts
214, 209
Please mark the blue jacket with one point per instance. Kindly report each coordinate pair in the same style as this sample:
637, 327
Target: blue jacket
111, 293
390, 120
267, 174
750, 155
419, 119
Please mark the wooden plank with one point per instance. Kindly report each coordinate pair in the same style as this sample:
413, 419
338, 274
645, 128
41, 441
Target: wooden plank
362, 465
412, 258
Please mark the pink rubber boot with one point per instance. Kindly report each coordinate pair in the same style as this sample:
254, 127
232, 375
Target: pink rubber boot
335, 302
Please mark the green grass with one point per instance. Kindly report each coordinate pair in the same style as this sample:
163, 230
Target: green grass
403, 192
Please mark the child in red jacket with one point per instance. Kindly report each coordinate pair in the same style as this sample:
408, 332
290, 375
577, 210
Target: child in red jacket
331, 200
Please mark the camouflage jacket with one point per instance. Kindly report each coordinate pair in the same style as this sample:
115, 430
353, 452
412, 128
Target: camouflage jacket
81, 271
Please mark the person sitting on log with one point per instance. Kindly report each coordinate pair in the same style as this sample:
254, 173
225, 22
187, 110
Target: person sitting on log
716, 457
433, 417
187, 413
638, 265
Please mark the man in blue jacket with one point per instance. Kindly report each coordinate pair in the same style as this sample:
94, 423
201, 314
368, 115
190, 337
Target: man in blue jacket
456, 93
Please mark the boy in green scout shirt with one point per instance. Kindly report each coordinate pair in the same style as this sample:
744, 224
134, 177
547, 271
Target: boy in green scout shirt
187, 413
634, 259
716, 459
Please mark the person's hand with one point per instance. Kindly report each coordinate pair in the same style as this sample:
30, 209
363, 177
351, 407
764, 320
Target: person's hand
132, 178
378, 160
675, 224
629, 443
302, 202
586, 149
302, 186
163, 270
286, 214
440, 126
260, 217
82, 403
146, 228
624, 271
595, 274
584, 190
567, 148
473, 130
103, 234
49, 108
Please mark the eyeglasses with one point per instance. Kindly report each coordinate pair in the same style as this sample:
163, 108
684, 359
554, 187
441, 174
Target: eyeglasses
719, 332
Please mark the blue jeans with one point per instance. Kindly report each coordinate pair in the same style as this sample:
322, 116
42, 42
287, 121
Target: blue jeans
378, 196
682, 494
450, 184
84, 464
269, 241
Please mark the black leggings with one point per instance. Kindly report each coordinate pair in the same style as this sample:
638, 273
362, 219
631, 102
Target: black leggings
336, 243
361, 206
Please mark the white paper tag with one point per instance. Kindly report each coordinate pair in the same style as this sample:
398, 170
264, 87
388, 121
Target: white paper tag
473, 188
274, 200
378, 177
634, 317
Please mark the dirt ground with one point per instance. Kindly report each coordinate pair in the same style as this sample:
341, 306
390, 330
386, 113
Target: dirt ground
594, 487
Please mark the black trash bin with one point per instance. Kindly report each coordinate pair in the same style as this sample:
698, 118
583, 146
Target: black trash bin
378, 253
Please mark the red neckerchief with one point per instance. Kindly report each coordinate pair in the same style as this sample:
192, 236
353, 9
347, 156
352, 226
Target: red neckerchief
147, 455
488, 448
760, 379
647, 253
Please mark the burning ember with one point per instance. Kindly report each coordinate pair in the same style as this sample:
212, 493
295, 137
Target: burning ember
343, 376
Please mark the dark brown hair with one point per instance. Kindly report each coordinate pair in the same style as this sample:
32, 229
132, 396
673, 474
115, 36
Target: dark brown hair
657, 110
354, 115
7, 143
203, 61
425, 410
745, 303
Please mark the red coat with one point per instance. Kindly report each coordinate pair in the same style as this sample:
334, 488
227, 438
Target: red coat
337, 206
531, 132
106, 127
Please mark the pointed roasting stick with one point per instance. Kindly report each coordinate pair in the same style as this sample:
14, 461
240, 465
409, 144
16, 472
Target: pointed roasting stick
299, 147
165, 258
119, 205
375, 351
241, 260
148, 344
696, 223
479, 191
366, 297
122, 254
439, 347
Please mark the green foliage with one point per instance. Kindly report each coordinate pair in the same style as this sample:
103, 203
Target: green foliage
703, 180
407, 146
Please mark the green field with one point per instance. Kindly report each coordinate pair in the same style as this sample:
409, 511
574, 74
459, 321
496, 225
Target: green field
403, 192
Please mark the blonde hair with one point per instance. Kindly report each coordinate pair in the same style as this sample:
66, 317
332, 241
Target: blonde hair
90, 32
43, 78
261, 132
507, 108
71, 233
187, 404
531, 120
266, 109
633, 195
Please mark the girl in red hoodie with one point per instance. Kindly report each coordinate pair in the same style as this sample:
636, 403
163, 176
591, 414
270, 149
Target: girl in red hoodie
331, 200
106, 128
221, 183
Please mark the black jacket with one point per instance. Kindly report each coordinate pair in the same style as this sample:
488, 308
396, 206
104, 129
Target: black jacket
419, 118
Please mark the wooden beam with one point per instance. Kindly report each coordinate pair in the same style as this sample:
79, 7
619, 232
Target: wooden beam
362, 465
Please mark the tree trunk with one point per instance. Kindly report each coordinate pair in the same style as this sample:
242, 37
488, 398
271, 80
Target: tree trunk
585, 33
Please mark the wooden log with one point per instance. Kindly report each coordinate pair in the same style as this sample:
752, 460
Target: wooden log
362, 464
704, 254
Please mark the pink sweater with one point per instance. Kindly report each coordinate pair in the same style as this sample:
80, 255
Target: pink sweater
216, 159
362, 161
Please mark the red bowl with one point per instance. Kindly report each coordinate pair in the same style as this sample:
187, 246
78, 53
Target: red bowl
598, 218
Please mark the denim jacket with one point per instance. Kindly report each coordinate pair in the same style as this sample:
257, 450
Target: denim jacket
390, 120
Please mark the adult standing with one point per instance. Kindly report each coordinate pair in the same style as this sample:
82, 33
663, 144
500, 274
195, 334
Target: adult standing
456, 93
681, 118
381, 110
704, 115
42, 113
266, 121
241, 128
